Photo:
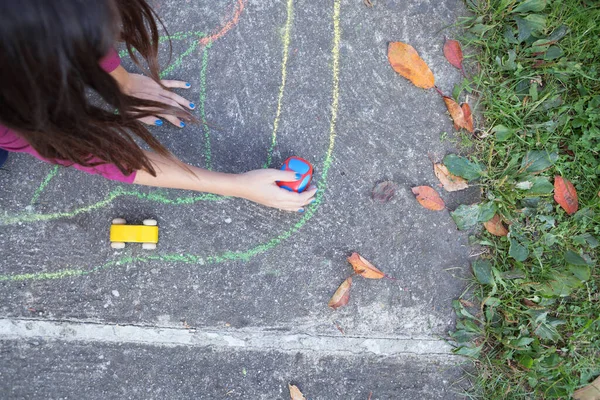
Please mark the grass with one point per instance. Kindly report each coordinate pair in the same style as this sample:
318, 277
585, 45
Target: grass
531, 318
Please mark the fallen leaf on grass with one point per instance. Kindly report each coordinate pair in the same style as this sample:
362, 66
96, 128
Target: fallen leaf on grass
295, 393
406, 61
384, 191
364, 268
468, 117
453, 53
565, 195
589, 392
342, 295
458, 115
429, 198
451, 183
495, 226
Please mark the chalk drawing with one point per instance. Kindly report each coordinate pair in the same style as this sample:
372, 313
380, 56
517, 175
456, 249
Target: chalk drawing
206, 259
284, 63
202, 104
228, 26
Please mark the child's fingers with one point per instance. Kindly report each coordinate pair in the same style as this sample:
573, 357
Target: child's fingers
151, 121
308, 196
176, 84
284, 176
179, 100
174, 120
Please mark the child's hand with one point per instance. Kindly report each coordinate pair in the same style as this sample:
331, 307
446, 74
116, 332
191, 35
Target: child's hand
259, 186
142, 87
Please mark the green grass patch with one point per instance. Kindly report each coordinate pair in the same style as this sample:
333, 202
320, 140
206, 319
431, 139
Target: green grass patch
531, 317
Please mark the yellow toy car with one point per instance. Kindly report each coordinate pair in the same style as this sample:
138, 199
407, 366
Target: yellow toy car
120, 233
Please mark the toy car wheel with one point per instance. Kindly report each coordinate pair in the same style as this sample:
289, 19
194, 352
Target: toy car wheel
119, 221
150, 222
117, 245
149, 246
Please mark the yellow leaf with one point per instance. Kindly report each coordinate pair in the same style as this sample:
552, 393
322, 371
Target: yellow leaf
406, 61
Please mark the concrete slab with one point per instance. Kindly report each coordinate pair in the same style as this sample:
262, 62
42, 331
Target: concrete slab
278, 71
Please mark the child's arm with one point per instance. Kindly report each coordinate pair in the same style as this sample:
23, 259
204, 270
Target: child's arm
257, 186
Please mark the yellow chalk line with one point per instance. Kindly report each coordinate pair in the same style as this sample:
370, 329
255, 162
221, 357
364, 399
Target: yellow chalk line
284, 62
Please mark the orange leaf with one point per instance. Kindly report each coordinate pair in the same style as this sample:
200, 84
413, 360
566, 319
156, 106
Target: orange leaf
451, 183
456, 112
453, 53
565, 195
495, 226
406, 61
295, 393
364, 268
342, 295
429, 198
468, 117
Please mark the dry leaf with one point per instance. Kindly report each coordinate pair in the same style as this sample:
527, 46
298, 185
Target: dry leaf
451, 183
364, 268
468, 117
384, 191
495, 226
406, 61
456, 112
466, 303
368, 3
342, 295
453, 53
565, 195
429, 198
295, 393
589, 392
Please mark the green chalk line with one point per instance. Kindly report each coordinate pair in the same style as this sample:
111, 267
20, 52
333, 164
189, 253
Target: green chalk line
117, 192
229, 255
205, 127
44, 183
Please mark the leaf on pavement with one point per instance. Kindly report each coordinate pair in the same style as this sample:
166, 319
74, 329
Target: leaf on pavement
406, 61
458, 115
495, 226
342, 295
453, 53
451, 182
364, 268
468, 117
429, 198
295, 393
384, 191
565, 195
462, 167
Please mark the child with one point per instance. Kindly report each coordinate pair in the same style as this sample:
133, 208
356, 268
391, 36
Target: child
51, 52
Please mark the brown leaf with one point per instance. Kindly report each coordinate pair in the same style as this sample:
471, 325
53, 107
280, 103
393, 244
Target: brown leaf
565, 195
295, 393
466, 303
453, 53
342, 295
406, 61
456, 112
495, 226
384, 191
468, 117
529, 303
451, 183
368, 3
429, 198
589, 392
364, 268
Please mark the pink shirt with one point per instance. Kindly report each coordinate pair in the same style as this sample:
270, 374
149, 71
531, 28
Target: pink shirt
11, 141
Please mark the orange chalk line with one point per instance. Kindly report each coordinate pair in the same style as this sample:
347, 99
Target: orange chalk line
228, 26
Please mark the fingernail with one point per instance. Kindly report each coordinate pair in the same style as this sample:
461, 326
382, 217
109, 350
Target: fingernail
312, 201
182, 124
298, 176
187, 84
301, 210
158, 122
192, 105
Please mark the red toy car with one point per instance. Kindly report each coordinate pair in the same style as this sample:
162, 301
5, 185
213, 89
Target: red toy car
300, 166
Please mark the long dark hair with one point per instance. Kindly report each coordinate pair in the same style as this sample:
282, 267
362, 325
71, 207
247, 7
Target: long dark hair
49, 54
